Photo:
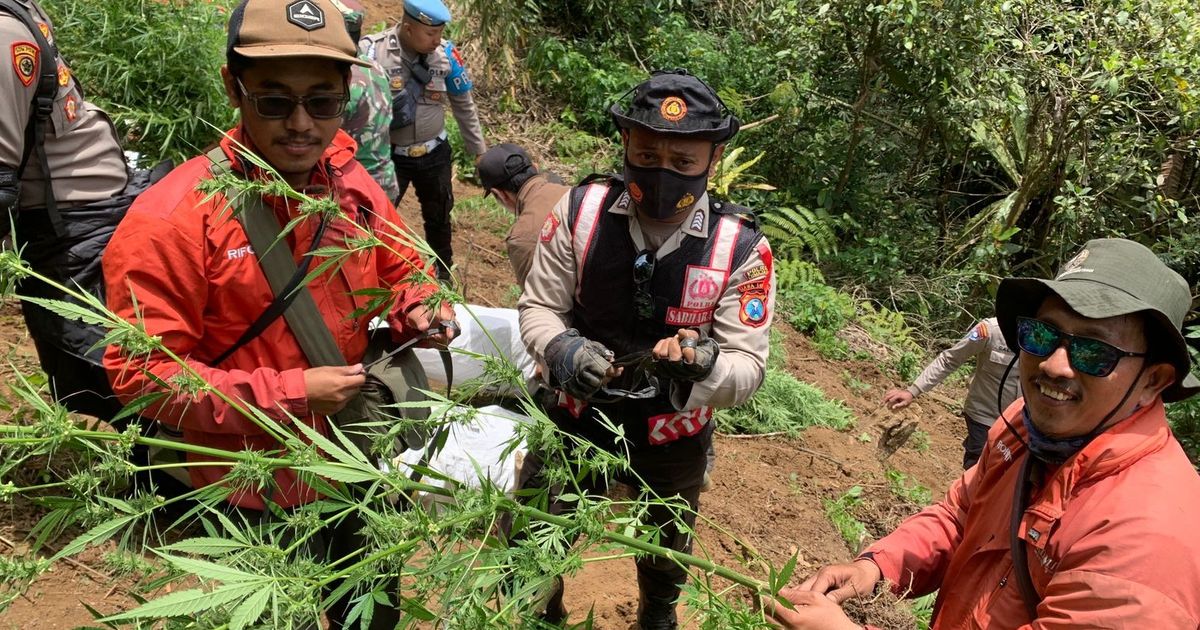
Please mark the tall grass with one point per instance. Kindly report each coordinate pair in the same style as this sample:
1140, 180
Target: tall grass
152, 65
785, 405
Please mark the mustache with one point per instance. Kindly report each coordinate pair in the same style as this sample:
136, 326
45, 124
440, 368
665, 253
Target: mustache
297, 139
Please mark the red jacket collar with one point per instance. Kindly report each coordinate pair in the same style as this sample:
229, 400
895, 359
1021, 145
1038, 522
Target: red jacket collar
1144, 432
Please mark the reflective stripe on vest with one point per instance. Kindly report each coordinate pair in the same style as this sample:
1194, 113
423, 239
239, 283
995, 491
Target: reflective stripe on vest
584, 230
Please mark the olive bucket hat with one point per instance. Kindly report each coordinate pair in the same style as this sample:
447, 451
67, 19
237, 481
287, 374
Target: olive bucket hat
1111, 277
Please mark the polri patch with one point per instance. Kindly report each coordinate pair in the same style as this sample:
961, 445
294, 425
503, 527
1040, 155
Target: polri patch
701, 287
306, 14
64, 74
45, 29
754, 310
25, 61
548, 228
673, 109
71, 108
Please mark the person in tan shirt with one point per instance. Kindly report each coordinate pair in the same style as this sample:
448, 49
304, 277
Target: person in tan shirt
64, 185
649, 303
506, 171
427, 74
992, 387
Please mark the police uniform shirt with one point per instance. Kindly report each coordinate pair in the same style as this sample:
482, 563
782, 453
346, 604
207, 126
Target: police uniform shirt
81, 144
985, 344
450, 83
535, 200
548, 299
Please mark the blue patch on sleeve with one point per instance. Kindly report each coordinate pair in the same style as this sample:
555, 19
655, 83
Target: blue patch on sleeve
457, 81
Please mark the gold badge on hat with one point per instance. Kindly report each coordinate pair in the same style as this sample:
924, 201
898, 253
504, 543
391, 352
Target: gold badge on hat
673, 109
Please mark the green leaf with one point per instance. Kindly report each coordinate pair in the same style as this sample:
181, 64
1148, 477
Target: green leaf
250, 610
210, 570
187, 603
97, 533
341, 473
206, 546
70, 311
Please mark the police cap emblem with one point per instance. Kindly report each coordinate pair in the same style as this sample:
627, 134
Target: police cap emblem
306, 14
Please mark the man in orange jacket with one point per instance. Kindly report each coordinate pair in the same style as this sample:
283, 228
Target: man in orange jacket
1083, 510
182, 265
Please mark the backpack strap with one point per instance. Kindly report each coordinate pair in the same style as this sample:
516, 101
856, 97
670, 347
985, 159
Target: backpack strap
285, 278
1029, 594
43, 105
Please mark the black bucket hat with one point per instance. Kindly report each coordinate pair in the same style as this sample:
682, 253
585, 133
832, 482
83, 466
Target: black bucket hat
677, 103
1111, 277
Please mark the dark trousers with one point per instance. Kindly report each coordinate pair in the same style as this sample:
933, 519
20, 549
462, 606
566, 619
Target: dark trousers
326, 545
431, 176
668, 470
973, 444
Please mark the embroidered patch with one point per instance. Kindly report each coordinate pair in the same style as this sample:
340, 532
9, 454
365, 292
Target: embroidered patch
397, 83
754, 310
701, 287
71, 108
45, 29
697, 223
686, 200
979, 332
1075, 265
688, 316
548, 228
756, 272
673, 109
25, 61
434, 96
635, 192
757, 287
622, 201
64, 75
306, 14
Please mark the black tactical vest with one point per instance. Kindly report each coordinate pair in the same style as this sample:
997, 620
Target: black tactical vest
685, 287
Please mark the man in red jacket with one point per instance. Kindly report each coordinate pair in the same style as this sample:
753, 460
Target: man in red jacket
182, 266
1083, 510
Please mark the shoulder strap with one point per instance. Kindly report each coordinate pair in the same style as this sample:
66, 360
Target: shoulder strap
1020, 562
43, 104
285, 279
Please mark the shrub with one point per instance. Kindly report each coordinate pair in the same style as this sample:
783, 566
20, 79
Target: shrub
153, 66
785, 405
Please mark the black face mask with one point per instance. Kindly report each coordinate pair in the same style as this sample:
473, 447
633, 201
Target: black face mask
661, 192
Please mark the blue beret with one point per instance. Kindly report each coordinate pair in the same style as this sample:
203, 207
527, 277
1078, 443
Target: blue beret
427, 12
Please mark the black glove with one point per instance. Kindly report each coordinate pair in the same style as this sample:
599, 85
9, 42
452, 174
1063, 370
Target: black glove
577, 365
707, 351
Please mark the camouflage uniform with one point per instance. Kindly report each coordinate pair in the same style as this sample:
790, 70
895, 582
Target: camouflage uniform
367, 118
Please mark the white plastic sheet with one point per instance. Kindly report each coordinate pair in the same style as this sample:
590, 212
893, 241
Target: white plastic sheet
477, 324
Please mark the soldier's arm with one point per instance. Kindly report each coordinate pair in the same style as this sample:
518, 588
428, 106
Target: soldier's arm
741, 329
549, 291
18, 82
947, 361
462, 104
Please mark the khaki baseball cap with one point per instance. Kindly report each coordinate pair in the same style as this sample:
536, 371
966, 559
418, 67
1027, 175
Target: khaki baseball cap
263, 29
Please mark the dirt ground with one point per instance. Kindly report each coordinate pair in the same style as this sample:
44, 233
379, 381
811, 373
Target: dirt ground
767, 490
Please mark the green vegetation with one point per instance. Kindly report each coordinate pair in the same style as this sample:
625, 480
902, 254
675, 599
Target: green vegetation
922, 608
907, 489
840, 512
785, 405
152, 66
921, 151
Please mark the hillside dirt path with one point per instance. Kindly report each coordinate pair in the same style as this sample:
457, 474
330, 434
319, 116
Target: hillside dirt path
767, 490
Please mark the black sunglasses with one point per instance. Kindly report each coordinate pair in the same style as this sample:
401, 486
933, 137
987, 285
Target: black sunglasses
643, 272
1089, 356
322, 106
